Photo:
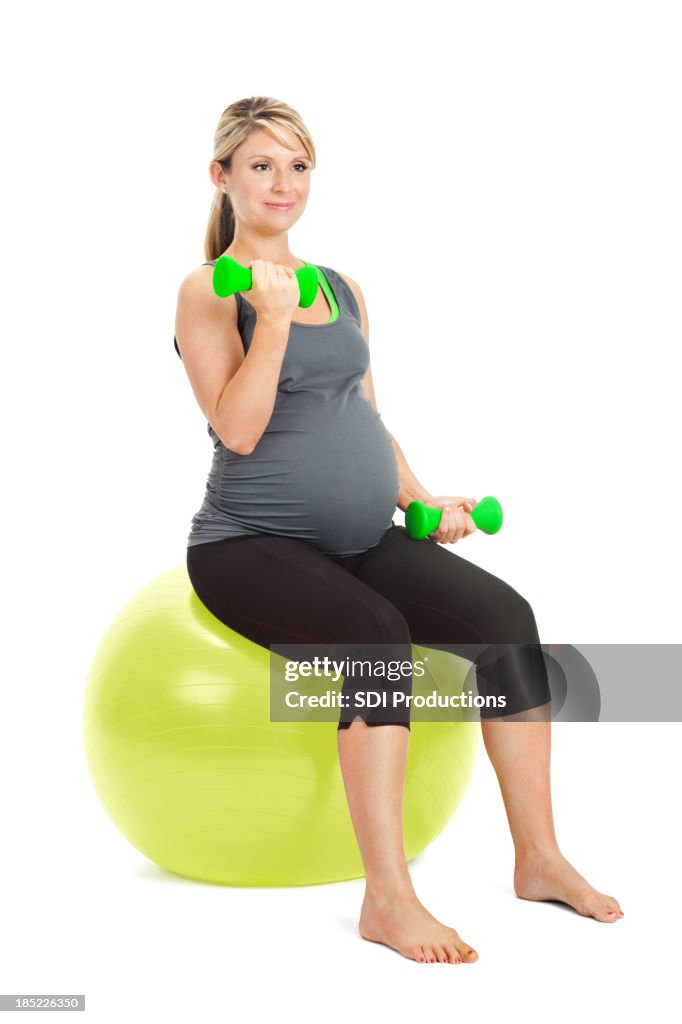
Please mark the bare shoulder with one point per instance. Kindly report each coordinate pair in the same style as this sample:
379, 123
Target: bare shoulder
196, 295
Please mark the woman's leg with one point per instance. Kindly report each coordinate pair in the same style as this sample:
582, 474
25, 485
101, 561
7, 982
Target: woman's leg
280, 590
520, 754
373, 765
449, 602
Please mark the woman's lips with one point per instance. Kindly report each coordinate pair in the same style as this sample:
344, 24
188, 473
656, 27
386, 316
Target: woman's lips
280, 206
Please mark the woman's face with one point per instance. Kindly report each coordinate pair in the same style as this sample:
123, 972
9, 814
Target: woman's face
268, 184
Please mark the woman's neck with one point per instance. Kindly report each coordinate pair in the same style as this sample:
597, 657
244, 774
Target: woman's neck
257, 250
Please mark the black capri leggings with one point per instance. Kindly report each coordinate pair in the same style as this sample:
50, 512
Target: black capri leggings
279, 590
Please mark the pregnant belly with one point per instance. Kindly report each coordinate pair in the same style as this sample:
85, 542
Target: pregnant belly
329, 477
351, 484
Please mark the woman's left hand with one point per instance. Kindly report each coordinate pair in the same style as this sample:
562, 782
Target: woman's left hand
455, 522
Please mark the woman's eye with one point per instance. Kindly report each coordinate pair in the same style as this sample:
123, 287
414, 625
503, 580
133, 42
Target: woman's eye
301, 165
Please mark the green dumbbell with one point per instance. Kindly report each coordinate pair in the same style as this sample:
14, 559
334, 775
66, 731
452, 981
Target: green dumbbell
230, 277
421, 519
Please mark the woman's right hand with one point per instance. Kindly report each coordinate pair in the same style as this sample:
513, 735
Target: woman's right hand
274, 293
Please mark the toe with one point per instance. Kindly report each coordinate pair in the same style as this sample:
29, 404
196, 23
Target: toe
453, 953
595, 904
605, 912
420, 955
467, 953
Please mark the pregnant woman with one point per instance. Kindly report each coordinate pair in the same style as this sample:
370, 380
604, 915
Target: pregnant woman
294, 541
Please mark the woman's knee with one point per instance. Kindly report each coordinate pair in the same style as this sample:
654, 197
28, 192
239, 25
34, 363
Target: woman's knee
512, 663
521, 619
376, 641
507, 617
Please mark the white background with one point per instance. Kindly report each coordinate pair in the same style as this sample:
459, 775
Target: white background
502, 180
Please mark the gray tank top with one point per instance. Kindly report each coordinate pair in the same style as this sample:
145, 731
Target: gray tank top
324, 470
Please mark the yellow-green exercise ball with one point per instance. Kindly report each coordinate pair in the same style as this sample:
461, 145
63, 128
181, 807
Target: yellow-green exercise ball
184, 757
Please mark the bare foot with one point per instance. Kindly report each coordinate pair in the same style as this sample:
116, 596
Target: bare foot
549, 876
401, 921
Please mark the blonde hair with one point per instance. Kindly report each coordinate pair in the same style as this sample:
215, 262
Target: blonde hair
237, 122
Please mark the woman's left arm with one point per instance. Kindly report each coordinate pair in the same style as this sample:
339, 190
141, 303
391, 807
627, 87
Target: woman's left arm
455, 521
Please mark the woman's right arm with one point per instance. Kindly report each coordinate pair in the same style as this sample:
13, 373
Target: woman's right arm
236, 392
